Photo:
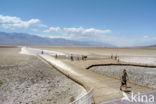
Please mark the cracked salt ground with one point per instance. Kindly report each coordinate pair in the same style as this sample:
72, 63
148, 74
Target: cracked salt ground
33, 81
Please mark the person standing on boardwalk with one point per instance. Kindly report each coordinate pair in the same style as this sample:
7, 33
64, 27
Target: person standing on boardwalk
42, 52
71, 57
56, 56
82, 57
124, 79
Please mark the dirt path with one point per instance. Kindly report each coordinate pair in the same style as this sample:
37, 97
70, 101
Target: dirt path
105, 88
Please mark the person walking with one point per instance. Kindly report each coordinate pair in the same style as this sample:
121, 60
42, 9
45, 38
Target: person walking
124, 79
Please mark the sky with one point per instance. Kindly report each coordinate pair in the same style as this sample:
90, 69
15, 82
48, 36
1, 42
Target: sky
117, 22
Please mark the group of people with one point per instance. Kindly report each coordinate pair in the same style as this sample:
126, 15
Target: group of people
84, 58
72, 57
115, 57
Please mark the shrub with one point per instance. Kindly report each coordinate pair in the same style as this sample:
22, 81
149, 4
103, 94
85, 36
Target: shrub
72, 99
1, 81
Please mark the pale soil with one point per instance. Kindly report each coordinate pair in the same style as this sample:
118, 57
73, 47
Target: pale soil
29, 80
146, 60
10, 56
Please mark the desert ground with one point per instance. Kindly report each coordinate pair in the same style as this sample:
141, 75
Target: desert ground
101, 51
26, 79
40, 83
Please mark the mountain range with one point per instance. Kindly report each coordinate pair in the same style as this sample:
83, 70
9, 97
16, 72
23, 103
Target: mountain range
24, 39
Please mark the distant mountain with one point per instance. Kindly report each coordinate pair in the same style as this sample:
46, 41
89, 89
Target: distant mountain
22, 39
154, 46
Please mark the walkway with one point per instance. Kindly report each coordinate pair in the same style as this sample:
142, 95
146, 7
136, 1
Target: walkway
105, 88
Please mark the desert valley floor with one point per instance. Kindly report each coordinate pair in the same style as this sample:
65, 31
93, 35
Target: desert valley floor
28, 79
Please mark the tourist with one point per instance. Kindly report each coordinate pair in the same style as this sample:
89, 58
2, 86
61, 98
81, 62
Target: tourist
124, 79
42, 52
56, 56
82, 57
78, 58
71, 57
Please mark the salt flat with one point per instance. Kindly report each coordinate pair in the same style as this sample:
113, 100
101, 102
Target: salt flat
28, 79
100, 51
105, 88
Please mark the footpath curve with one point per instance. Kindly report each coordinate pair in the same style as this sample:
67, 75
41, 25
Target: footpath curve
105, 88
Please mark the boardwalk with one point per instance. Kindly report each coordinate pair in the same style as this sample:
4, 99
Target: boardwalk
105, 88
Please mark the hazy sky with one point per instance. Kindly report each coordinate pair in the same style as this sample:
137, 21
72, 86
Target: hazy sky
119, 22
